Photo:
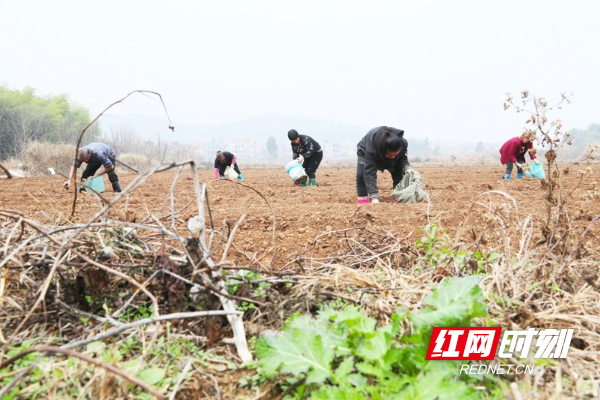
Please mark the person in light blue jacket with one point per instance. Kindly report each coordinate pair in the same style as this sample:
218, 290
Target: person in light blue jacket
95, 155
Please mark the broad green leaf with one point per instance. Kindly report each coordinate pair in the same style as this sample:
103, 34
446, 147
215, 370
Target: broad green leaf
437, 386
373, 348
130, 365
392, 357
356, 320
455, 290
95, 346
335, 393
453, 303
412, 358
396, 318
369, 369
152, 375
357, 380
295, 352
444, 316
332, 335
344, 369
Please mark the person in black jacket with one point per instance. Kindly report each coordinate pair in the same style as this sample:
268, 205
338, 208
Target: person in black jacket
226, 159
309, 152
382, 148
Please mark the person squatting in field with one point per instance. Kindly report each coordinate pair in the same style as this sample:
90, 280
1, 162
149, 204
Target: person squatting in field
382, 148
307, 151
95, 155
226, 159
513, 152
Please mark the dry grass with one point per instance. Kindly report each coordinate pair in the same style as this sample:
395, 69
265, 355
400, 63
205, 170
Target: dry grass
39, 156
138, 161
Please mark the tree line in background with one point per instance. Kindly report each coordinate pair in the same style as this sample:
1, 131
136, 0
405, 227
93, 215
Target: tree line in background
40, 132
583, 138
27, 118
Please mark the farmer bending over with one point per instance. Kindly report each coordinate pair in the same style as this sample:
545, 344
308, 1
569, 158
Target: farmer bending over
307, 151
383, 148
513, 152
95, 155
226, 159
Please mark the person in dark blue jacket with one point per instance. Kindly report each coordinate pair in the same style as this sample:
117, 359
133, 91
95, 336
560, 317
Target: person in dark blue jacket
382, 148
309, 152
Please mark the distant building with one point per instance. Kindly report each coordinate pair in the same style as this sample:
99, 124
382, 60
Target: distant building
344, 150
207, 151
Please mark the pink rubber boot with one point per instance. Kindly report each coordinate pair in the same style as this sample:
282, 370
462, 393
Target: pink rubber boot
363, 200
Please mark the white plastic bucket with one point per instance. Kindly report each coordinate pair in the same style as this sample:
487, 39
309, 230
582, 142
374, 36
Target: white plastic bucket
536, 170
230, 174
295, 171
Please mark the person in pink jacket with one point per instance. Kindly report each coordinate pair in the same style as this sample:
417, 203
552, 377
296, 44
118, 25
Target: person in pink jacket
226, 159
513, 152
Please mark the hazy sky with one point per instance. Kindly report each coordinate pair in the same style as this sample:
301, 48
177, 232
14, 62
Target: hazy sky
433, 68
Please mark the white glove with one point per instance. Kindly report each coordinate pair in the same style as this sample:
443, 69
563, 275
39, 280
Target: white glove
520, 166
536, 162
408, 171
374, 200
300, 159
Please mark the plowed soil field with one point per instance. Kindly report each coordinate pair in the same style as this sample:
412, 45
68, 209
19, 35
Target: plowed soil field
303, 214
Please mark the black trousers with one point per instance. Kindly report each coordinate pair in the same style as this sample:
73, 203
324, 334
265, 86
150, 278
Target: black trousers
520, 159
311, 164
361, 186
90, 170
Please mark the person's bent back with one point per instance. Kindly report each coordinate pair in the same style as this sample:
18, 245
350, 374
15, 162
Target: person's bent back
382, 148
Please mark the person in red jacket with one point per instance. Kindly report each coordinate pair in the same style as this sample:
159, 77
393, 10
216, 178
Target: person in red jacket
513, 152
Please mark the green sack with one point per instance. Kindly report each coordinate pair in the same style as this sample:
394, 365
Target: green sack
410, 189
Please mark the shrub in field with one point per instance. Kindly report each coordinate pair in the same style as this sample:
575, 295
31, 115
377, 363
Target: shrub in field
436, 247
558, 235
138, 161
39, 156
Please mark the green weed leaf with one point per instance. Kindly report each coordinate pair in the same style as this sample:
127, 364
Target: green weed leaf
454, 303
335, 393
295, 352
152, 375
344, 369
437, 386
373, 348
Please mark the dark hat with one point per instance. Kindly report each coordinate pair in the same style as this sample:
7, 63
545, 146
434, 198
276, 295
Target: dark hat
293, 134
